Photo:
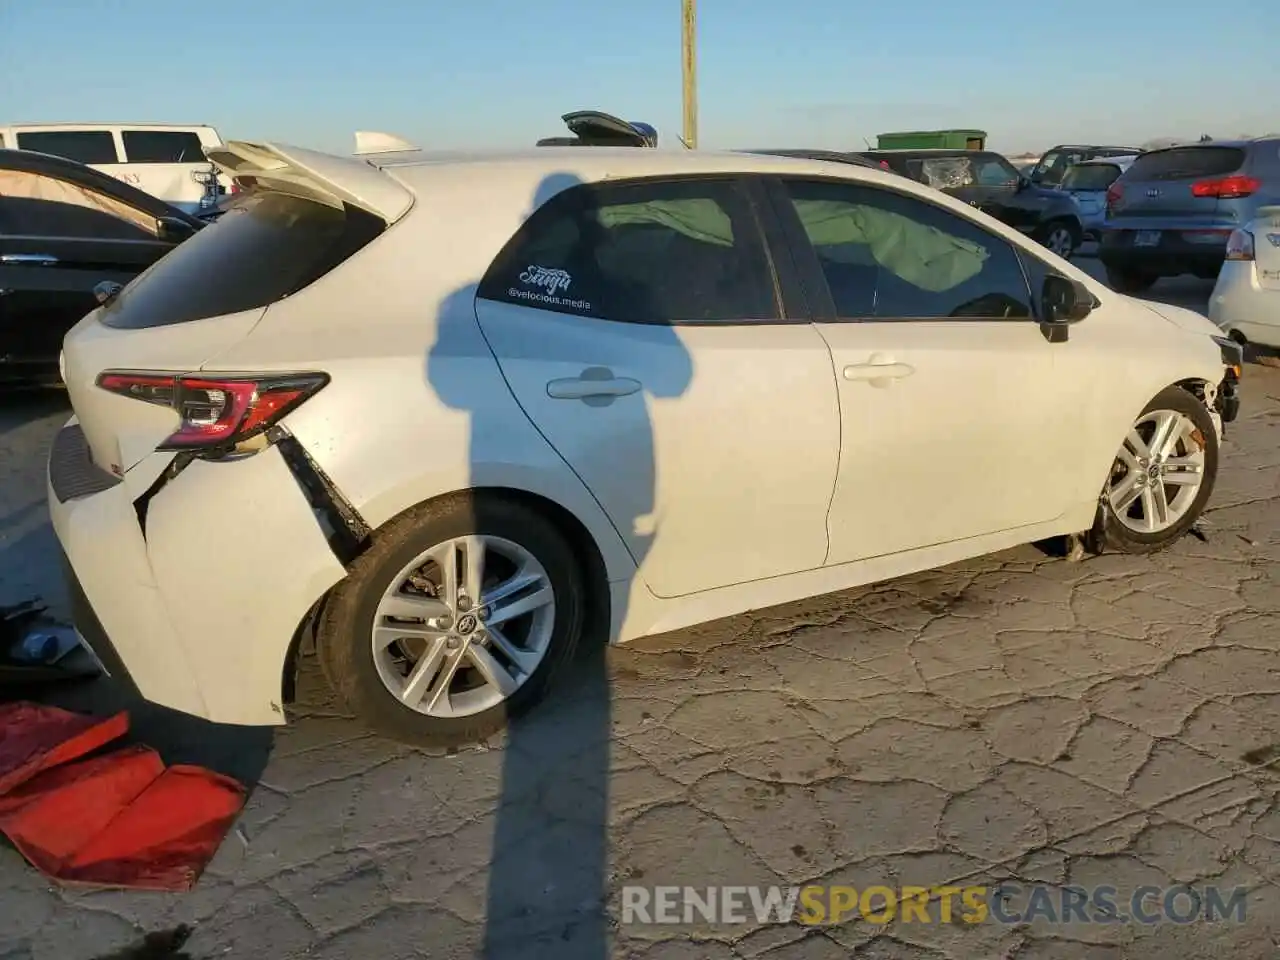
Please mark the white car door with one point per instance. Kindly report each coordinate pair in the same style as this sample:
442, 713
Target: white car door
637, 324
956, 416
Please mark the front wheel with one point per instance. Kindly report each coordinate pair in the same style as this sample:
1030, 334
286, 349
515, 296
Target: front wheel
456, 620
1162, 476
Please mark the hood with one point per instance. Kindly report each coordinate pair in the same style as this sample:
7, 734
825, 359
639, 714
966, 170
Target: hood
1182, 318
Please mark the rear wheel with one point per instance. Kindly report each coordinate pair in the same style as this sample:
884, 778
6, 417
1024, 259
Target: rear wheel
1123, 280
455, 621
1060, 237
1162, 476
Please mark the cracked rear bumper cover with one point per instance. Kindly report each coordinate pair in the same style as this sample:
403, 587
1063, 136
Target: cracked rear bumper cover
192, 596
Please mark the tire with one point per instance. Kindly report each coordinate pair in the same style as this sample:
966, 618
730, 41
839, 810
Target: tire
345, 639
1122, 280
1111, 530
1060, 236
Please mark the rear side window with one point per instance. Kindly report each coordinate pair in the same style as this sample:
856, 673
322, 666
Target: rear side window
264, 248
34, 205
1090, 176
83, 146
641, 252
1186, 163
162, 146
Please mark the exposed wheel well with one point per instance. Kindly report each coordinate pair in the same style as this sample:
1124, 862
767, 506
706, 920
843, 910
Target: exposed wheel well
590, 563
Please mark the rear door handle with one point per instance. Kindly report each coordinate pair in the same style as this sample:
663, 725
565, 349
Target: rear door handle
29, 259
597, 386
878, 371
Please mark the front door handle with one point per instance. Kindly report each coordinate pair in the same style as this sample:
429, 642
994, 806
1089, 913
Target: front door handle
29, 259
596, 386
879, 371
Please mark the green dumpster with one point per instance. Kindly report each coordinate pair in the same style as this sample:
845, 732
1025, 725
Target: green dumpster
933, 140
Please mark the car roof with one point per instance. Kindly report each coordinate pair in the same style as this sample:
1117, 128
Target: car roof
838, 156
603, 163
1107, 161
107, 125
930, 152
1092, 146
31, 161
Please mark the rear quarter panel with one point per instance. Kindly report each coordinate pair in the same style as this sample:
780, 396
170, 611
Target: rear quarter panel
417, 406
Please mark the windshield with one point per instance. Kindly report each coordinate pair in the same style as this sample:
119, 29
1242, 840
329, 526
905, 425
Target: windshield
1090, 176
992, 171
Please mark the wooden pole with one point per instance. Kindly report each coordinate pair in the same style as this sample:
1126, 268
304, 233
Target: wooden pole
689, 46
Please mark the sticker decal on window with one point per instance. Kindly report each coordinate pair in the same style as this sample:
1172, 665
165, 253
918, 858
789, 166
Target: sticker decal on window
550, 280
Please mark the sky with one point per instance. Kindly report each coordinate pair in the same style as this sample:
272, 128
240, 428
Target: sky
448, 74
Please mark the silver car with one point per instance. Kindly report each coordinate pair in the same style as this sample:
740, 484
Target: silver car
1087, 183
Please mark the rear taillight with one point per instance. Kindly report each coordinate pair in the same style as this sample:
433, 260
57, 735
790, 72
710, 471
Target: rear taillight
1240, 245
1226, 188
216, 412
1114, 193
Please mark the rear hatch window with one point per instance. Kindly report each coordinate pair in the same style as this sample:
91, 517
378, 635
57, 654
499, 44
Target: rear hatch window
1092, 176
265, 247
1187, 163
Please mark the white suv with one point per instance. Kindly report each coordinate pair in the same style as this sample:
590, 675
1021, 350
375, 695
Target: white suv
452, 414
164, 160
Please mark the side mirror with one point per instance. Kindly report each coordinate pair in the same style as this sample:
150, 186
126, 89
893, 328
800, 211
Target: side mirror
1062, 303
1022, 183
173, 230
106, 291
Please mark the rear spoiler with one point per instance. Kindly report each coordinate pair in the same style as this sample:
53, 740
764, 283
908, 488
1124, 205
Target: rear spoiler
322, 177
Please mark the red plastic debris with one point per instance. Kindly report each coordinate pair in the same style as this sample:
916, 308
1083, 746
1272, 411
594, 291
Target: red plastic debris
34, 737
120, 819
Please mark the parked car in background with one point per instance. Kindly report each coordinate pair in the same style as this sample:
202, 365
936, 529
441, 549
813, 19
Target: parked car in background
592, 128
1246, 300
1053, 165
835, 156
457, 475
1087, 183
164, 160
1172, 211
65, 230
988, 181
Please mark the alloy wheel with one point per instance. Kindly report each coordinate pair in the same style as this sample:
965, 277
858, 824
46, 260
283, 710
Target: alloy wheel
1157, 473
1060, 241
463, 626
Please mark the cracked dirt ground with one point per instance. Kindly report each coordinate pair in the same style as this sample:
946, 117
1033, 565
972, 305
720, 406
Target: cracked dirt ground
1108, 722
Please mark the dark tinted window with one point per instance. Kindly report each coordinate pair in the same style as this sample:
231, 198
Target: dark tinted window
161, 146
34, 205
265, 247
1185, 163
889, 256
83, 146
1090, 176
649, 252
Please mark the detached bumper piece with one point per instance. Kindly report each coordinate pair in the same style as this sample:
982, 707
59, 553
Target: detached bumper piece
1227, 403
120, 819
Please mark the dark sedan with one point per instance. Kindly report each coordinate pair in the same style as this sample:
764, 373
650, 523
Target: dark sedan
66, 231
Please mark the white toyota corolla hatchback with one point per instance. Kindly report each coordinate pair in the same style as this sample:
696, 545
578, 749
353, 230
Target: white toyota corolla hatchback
447, 414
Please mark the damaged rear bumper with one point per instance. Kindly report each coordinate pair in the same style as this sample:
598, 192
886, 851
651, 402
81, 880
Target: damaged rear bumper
192, 594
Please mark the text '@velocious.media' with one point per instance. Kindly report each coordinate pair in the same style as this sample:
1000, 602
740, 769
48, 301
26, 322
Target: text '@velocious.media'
1006, 903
